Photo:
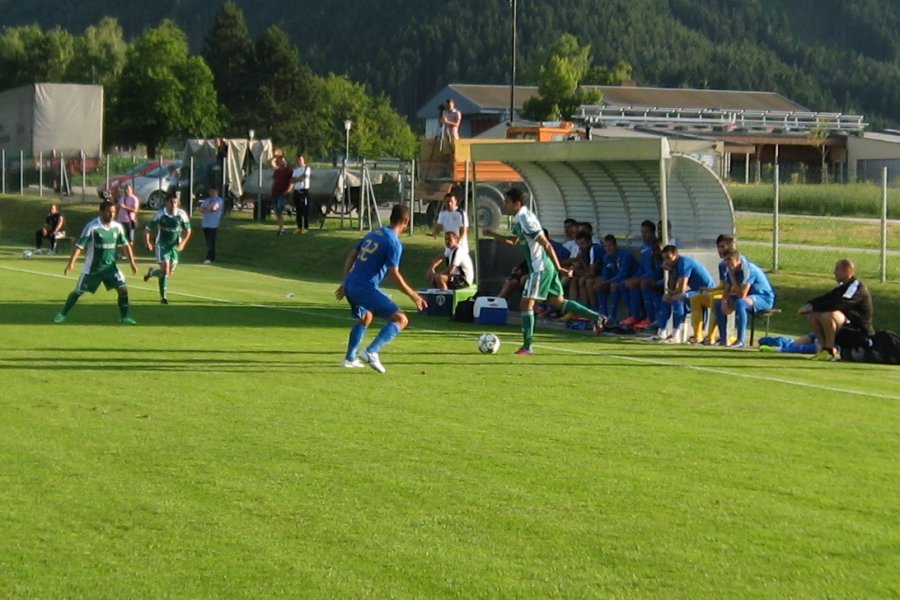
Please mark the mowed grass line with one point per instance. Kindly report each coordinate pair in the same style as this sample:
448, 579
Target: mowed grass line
231, 457
819, 231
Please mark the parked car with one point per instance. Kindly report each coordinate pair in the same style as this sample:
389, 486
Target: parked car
117, 183
151, 188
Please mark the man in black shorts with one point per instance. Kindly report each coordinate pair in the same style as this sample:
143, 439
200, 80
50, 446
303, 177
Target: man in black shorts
459, 271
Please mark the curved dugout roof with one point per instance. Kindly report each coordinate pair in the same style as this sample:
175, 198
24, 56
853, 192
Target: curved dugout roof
616, 184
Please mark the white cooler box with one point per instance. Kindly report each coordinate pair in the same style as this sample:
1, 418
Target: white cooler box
489, 310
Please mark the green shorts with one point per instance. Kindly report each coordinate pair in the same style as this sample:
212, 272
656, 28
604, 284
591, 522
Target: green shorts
167, 254
541, 285
111, 278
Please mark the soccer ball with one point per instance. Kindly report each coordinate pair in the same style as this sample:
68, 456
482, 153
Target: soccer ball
27, 253
488, 343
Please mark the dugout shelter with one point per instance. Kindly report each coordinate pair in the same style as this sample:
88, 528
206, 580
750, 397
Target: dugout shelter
614, 184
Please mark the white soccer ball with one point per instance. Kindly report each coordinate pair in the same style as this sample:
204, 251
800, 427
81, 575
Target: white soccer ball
27, 253
488, 343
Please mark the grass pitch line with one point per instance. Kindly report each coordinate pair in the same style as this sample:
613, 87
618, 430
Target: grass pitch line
563, 350
173, 293
663, 363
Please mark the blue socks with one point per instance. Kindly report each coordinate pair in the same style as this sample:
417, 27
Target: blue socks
357, 333
387, 333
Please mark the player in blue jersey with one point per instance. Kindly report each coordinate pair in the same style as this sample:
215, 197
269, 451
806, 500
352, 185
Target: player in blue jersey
609, 287
376, 255
643, 294
687, 277
543, 269
749, 291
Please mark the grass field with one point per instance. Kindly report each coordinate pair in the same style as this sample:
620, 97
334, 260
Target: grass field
217, 449
852, 200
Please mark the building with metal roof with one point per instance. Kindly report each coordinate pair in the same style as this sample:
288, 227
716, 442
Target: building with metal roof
756, 128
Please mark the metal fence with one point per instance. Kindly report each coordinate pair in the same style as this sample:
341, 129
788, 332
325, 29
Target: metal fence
778, 241
74, 175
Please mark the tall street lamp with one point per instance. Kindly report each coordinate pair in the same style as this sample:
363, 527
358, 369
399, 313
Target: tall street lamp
346, 191
347, 125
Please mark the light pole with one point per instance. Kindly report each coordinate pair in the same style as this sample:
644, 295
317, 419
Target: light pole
347, 125
346, 190
512, 61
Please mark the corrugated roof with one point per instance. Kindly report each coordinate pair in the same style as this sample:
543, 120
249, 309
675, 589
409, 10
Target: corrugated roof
687, 98
478, 98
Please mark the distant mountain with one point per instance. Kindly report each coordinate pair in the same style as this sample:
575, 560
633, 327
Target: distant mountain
829, 55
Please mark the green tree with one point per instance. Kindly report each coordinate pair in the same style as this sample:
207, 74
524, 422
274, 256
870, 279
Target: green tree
99, 54
598, 75
228, 50
378, 130
28, 55
162, 92
285, 89
559, 74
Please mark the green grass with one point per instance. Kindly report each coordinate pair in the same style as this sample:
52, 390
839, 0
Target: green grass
217, 450
813, 244
817, 231
854, 200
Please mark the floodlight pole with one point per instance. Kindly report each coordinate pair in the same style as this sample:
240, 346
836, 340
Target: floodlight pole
345, 187
512, 61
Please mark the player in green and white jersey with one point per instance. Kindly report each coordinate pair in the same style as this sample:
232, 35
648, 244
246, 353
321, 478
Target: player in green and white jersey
543, 269
100, 240
171, 230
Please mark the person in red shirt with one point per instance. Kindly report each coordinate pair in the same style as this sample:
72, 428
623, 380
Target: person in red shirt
281, 189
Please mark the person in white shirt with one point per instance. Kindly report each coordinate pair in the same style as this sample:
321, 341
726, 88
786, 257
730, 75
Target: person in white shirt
212, 208
453, 219
300, 179
459, 271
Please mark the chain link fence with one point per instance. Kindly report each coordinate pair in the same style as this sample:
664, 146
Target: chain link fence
806, 229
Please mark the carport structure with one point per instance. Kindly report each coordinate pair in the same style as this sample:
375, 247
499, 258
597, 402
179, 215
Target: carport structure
614, 185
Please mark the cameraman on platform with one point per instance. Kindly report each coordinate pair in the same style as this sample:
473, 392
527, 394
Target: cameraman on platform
451, 119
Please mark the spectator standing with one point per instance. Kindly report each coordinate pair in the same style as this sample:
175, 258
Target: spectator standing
451, 119
53, 226
843, 316
212, 208
300, 179
281, 189
453, 218
128, 208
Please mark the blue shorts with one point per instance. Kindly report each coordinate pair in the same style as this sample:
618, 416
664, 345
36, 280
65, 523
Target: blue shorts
281, 204
370, 299
761, 302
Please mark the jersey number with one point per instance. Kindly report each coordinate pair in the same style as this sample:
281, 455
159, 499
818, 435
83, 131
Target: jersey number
366, 249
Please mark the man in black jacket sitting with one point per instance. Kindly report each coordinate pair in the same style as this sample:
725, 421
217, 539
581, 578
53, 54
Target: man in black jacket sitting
843, 316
